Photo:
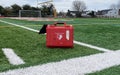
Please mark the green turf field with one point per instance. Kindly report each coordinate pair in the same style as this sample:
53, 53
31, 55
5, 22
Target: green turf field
91, 31
111, 71
30, 46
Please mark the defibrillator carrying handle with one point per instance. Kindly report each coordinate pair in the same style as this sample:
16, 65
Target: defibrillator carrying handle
60, 23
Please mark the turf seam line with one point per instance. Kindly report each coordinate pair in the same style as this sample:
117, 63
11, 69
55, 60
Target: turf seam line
75, 66
12, 57
6, 26
76, 42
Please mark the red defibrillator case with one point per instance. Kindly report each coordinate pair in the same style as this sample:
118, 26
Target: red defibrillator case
59, 36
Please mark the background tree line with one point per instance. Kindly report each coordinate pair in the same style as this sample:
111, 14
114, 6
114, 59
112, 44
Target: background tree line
78, 7
13, 10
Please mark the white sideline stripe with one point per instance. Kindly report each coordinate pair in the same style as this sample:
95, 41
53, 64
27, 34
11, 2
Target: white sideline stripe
76, 42
19, 26
76, 66
12, 57
93, 47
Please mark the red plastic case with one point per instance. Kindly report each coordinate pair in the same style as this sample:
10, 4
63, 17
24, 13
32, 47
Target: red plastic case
59, 36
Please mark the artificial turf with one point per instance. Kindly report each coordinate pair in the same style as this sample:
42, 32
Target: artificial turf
99, 32
31, 47
110, 71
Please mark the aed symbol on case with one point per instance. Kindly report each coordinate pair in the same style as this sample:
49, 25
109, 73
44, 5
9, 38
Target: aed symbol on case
59, 36
67, 34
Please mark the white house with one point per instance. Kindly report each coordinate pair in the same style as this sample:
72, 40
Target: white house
113, 13
85, 13
109, 13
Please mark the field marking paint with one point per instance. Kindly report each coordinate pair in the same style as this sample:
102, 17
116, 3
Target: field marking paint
19, 26
93, 47
76, 42
75, 66
12, 57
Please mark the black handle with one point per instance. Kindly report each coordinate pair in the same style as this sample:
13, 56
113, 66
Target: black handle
60, 23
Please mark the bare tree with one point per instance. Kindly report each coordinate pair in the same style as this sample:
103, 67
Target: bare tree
79, 6
118, 5
113, 6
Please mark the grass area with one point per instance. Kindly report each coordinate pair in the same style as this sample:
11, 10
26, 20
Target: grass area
30, 46
106, 36
111, 71
99, 32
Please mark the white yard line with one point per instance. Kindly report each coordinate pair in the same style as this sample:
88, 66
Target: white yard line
93, 47
19, 26
76, 66
12, 57
76, 42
